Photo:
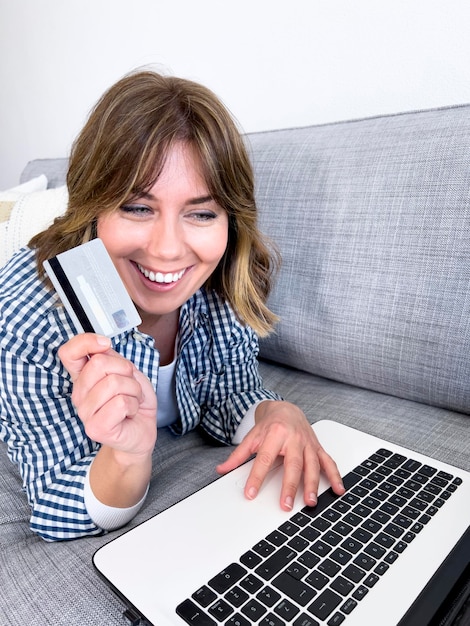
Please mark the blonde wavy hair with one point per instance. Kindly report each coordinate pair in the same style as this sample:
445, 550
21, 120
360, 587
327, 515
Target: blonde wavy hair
120, 152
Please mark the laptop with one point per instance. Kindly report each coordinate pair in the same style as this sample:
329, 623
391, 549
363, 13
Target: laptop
394, 549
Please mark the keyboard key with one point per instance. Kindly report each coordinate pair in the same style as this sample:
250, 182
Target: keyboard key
362, 510
237, 620
305, 620
384, 540
427, 471
227, 577
352, 519
329, 568
410, 512
384, 452
263, 548
389, 508
348, 606
325, 604
342, 528
297, 571
250, 559
354, 573
332, 538
360, 592
395, 461
286, 610
275, 563
400, 546
411, 465
341, 556
321, 548
365, 562
394, 530
362, 535
268, 596
374, 550
342, 585
371, 525
254, 610
309, 559
300, 519
295, 589
289, 528
298, 543
419, 504
309, 533
341, 506
272, 620
371, 502
352, 545
381, 568
317, 580
350, 498
277, 538
391, 557
445, 476
204, 596
251, 583
381, 517
336, 619
192, 614
402, 520
221, 610
371, 580
236, 596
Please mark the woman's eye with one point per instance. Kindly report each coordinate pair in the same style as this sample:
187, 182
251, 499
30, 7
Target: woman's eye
135, 209
203, 216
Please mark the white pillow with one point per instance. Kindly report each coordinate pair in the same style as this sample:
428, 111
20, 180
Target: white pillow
31, 214
10, 196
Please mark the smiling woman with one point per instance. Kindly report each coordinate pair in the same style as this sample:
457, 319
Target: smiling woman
160, 173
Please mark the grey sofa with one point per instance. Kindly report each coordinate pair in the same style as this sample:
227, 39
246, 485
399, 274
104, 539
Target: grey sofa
373, 221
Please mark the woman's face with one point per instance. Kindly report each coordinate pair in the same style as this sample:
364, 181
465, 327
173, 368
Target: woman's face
166, 243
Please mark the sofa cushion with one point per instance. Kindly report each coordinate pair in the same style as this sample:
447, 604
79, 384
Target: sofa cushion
372, 220
30, 213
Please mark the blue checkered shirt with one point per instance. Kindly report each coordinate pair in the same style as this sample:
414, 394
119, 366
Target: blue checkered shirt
217, 381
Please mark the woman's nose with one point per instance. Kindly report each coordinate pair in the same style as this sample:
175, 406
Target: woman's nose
167, 241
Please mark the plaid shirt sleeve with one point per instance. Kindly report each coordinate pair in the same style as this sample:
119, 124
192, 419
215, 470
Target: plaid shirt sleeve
217, 376
37, 420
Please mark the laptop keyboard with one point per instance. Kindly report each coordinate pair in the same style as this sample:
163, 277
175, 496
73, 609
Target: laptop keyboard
316, 567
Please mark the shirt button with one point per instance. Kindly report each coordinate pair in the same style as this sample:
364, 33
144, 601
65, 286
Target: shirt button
137, 337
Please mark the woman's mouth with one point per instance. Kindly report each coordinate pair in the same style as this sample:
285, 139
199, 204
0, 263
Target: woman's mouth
160, 277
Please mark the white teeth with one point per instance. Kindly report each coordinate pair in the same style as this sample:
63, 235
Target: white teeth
158, 277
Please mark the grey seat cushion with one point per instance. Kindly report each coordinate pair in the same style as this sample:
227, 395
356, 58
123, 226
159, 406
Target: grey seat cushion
372, 219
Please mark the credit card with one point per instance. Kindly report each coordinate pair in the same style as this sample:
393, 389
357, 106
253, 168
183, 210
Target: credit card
92, 291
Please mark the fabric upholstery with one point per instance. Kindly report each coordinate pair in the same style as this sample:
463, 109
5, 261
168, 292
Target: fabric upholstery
372, 220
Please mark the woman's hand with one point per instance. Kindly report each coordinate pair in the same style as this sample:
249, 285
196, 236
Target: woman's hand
115, 401
281, 429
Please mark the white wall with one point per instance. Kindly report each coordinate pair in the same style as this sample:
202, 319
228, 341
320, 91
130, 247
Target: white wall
274, 63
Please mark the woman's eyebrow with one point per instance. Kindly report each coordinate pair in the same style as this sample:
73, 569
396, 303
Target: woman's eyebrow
145, 195
201, 200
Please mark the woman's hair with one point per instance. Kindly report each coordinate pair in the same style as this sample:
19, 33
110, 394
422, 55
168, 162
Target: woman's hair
120, 153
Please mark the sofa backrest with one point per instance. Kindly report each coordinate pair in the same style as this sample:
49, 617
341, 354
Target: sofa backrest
372, 218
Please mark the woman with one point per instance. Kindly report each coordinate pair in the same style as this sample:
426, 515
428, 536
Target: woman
160, 173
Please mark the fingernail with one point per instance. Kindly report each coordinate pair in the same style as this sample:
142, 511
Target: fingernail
252, 493
341, 486
289, 502
102, 340
312, 499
